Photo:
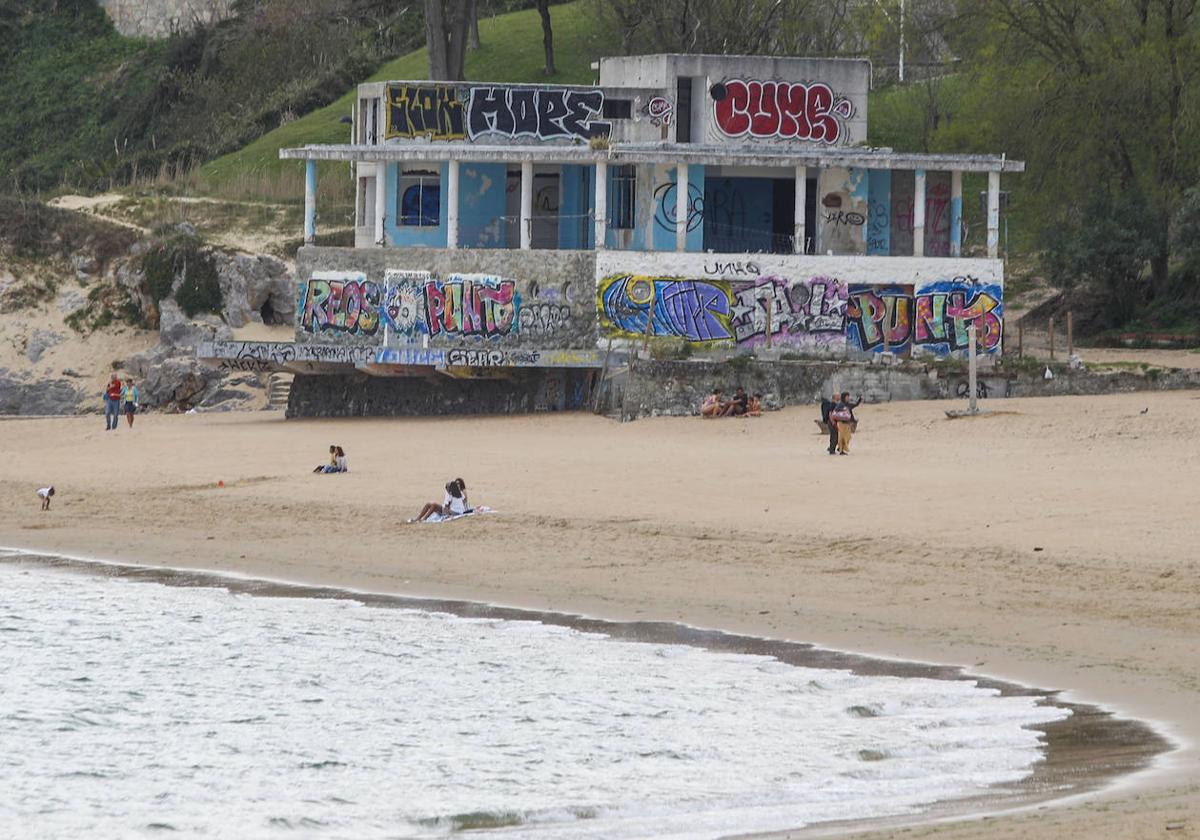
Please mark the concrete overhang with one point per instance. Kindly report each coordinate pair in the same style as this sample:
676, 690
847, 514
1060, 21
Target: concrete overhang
861, 158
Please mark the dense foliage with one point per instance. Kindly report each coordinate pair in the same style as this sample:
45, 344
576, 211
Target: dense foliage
82, 106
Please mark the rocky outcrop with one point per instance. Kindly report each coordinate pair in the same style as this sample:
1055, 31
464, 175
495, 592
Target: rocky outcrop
20, 393
256, 289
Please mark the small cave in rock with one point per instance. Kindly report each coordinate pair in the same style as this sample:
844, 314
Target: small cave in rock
267, 310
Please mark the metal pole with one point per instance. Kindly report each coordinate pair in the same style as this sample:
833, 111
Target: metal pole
902, 40
1051, 338
971, 358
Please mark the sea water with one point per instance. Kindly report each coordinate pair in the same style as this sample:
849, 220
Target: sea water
138, 709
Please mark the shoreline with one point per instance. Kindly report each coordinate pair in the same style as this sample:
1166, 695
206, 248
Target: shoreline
1052, 545
1083, 755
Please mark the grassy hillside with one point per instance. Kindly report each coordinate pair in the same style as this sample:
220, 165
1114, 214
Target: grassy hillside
511, 51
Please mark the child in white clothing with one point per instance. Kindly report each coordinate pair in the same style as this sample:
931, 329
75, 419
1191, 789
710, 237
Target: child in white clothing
44, 494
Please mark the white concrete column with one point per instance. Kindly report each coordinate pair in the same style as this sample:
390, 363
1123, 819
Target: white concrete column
681, 206
798, 242
956, 214
526, 205
381, 191
310, 202
600, 206
993, 219
919, 213
452, 204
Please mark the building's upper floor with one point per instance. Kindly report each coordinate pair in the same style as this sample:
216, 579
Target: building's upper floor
723, 154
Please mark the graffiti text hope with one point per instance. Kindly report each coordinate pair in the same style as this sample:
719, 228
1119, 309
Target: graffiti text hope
545, 113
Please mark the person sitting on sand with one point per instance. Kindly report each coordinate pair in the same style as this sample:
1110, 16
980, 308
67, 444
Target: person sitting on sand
737, 406
337, 462
711, 407
462, 489
452, 505
754, 407
44, 494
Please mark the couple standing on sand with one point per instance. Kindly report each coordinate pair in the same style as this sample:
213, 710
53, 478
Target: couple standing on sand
838, 413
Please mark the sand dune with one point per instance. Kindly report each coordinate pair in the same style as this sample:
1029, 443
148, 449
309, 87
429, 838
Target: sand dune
1052, 542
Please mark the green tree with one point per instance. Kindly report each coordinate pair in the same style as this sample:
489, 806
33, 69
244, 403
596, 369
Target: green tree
1099, 97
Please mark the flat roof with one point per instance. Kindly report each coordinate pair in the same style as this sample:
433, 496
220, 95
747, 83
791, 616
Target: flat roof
618, 153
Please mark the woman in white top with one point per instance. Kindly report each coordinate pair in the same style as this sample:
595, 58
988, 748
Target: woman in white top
453, 504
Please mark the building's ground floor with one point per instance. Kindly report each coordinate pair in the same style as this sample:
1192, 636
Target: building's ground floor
485, 313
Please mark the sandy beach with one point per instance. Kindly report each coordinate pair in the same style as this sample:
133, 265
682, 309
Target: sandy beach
1052, 542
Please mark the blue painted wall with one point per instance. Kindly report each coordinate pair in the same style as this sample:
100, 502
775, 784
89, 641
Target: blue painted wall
738, 214
481, 204
879, 213
635, 239
662, 225
401, 236
574, 223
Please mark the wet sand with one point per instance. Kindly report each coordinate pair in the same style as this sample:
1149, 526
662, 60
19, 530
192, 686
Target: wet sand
920, 545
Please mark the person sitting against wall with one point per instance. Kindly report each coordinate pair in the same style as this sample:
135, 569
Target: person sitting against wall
754, 407
738, 406
453, 503
713, 404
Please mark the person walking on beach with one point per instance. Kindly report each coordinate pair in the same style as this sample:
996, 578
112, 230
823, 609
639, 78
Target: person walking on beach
112, 404
44, 494
827, 407
129, 400
843, 415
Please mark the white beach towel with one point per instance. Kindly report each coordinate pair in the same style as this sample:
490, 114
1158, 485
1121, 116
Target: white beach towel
437, 517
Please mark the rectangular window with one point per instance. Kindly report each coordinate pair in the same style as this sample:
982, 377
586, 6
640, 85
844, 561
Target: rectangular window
419, 199
683, 110
617, 109
622, 191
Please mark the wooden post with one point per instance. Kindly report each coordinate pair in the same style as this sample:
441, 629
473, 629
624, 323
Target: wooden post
649, 326
1052, 338
972, 371
1070, 334
770, 306
1020, 339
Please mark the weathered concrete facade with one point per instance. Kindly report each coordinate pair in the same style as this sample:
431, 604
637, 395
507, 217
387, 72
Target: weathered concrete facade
726, 206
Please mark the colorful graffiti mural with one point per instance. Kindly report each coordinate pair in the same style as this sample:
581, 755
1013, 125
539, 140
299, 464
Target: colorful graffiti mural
546, 113
809, 313
804, 313
471, 306
933, 319
428, 111
695, 310
780, 111
340, 303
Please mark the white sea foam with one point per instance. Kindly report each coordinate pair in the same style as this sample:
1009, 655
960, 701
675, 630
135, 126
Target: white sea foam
127, 709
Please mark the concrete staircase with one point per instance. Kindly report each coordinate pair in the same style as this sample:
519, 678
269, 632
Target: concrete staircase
279, 387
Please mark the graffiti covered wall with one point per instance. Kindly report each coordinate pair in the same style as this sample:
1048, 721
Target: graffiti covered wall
446, 299
821, 306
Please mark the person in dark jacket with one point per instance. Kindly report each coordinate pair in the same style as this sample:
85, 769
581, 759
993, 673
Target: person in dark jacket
827, 406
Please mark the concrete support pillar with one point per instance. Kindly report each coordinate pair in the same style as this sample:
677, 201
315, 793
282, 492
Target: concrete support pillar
452, 204
310, 202
381, 191
993, 216
600, 206
798, 243
681, 206
919, 213
526, 205
956, 214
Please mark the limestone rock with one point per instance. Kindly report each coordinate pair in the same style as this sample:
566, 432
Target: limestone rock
71, 300
256, 289
40, 342
172, 378
176, 330
21, 395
